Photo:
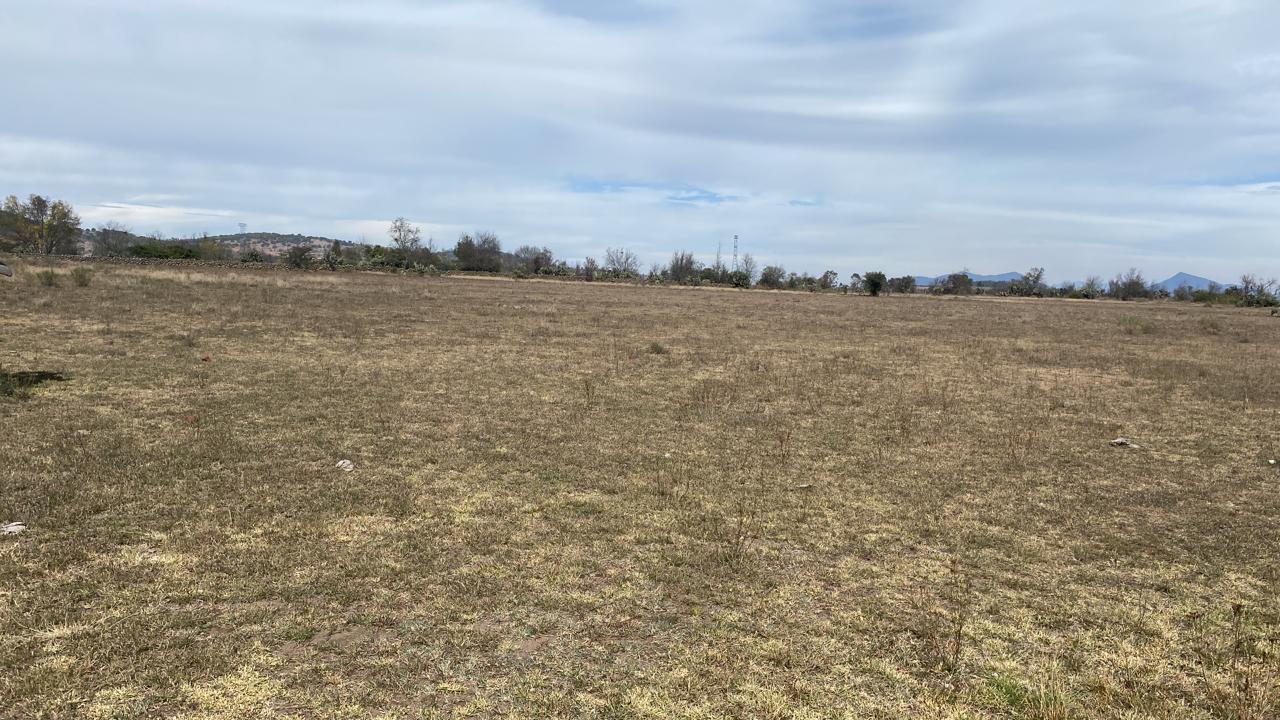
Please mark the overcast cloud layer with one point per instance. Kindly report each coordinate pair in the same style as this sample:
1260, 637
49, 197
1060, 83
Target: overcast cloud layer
914, 136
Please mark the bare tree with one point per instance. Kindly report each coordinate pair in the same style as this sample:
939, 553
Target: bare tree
747, 264
533, 259
682, 266
1129, 285
112, 240
1092, 287
1252, 285
1257, 292
621, 261
406, 236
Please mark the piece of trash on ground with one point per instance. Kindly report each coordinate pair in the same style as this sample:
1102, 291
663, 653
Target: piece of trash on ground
346, 465
1124, 442
15, 528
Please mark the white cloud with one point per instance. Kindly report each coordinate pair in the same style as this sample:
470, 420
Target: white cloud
936, 133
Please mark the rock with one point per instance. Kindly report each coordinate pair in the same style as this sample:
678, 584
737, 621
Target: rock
346, 465
1123, 442
15, 528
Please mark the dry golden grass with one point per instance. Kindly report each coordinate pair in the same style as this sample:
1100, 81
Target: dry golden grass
626, 502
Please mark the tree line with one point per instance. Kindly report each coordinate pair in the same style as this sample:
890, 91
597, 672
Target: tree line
44, 226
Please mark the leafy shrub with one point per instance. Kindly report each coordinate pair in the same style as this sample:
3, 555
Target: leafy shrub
253, 256
80, 276
299, 256
160, 250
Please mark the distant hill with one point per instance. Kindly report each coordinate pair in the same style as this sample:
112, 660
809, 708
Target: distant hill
1002, 277
267, 243
272, 239
1194, 281
272, 243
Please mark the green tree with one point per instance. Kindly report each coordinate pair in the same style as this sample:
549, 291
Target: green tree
773, 277
874, 282
954, 284
40, 226
333, 255
1031, 284
482, 253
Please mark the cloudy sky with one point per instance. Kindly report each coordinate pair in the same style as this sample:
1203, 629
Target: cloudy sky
917, 136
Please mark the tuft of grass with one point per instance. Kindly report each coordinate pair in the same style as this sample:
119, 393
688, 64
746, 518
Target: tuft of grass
80, 276
1210, 325
1132, 325
657, 348
19, 384
47, 278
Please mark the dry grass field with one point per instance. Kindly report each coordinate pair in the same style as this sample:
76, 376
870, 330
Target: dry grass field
577, 500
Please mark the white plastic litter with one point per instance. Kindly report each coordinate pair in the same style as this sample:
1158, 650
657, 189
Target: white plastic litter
346, 465
15, 528
1123, 442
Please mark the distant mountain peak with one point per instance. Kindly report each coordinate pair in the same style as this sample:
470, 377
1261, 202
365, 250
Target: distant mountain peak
1002, 277
1182, 279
